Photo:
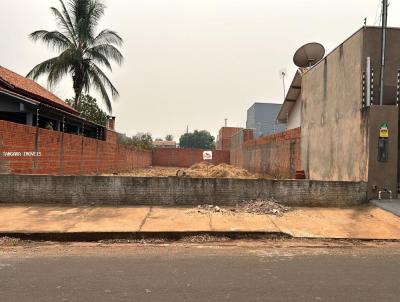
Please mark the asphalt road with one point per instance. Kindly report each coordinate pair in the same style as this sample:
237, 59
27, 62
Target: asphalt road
199, 273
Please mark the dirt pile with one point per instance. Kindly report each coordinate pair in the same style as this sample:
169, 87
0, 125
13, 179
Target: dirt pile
199, 170
205, 169
149, 172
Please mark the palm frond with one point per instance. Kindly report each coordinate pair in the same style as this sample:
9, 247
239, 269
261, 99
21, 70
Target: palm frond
108, 37
102, 83
42, 68
61, 67
99, 58
95, 12
68, 20
54, 39
104, 79
109, 51
99, 85
63, 23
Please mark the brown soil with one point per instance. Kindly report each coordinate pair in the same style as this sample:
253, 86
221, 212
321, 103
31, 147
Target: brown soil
199, 170
204, 169
151, 172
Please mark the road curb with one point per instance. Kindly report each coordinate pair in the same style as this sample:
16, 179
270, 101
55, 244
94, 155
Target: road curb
98, 236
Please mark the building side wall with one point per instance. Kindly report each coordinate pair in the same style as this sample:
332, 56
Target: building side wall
262, 117
186, 157
251, 118
266, 115
277, 155
294, 118
372, 49
382, 175
333, 131
224, 137
64, 154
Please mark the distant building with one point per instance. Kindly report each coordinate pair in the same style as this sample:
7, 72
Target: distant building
165, 144
224, 137
263, 118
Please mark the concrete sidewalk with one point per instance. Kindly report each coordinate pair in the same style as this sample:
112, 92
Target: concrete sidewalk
366, 222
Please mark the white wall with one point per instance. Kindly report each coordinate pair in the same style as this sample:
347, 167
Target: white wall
294, 119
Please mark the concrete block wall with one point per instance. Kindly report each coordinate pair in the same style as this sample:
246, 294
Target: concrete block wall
64, 154
186, 157
277, 155
174, 191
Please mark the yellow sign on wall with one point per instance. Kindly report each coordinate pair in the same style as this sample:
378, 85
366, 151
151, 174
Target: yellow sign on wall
384, 131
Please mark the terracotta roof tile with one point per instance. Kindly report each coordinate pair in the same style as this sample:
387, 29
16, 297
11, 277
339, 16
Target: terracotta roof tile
32, 89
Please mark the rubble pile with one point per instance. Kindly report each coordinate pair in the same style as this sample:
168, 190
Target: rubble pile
262, 207
257, 207
9, 241
209, 208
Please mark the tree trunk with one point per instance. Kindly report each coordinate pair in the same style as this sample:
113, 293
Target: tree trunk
78, 87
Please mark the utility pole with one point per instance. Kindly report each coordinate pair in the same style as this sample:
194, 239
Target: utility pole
384, 26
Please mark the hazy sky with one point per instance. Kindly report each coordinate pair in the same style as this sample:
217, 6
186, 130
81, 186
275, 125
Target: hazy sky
194, 62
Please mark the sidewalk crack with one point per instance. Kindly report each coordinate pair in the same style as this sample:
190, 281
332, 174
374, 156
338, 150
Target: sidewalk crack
145, 219
275, 225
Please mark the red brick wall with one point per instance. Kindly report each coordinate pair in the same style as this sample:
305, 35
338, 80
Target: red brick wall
186, 157
224, 137
277, 154
65, 154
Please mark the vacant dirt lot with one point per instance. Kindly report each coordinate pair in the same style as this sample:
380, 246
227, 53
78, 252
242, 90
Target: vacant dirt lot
202, 169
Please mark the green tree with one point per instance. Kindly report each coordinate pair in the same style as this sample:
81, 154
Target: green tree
169, 137
143, 141
89, 109
81, 50
198, 139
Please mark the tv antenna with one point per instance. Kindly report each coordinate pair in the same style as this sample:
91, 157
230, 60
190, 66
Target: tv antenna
308, 55
282, 75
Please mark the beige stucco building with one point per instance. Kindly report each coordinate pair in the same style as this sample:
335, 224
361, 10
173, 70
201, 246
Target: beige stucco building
340, 124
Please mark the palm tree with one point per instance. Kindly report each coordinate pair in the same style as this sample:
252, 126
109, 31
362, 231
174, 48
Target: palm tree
81, 50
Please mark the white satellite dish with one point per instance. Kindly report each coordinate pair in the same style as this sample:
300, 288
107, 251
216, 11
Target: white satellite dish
309, 55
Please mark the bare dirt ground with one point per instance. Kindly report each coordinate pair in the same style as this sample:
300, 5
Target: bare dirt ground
199, 170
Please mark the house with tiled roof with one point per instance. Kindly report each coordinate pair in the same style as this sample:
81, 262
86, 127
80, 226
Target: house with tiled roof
164, 144
24, 101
